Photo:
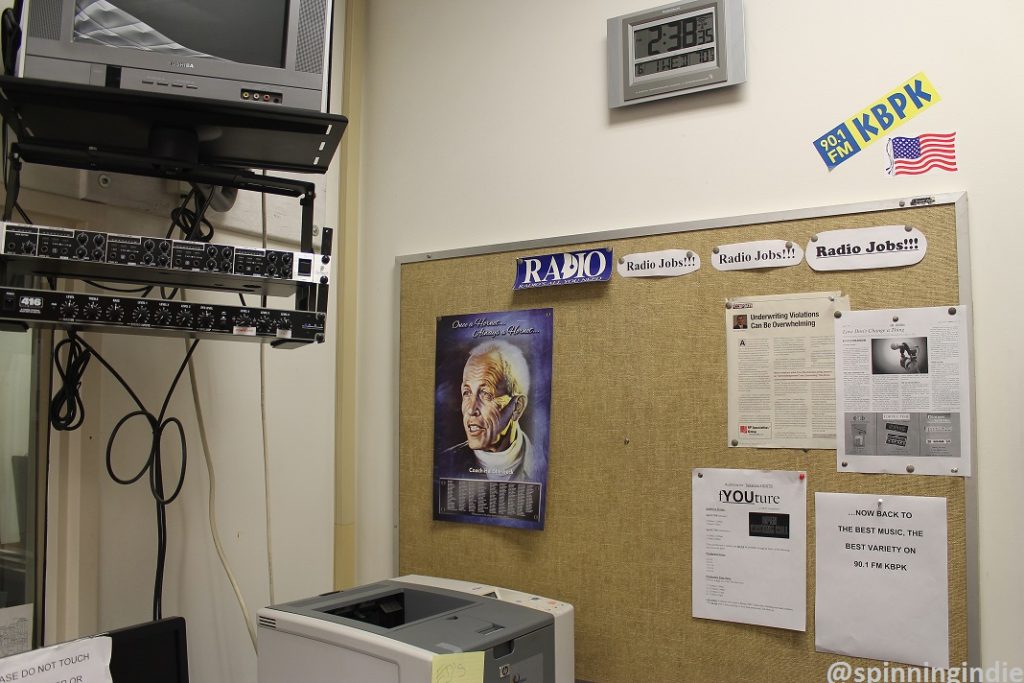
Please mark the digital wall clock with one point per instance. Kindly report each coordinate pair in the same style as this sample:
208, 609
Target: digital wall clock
675, 49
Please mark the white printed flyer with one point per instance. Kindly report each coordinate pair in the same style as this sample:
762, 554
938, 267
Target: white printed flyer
79, 661
749, 561
15, 629
881, 585
781, 370
903, 391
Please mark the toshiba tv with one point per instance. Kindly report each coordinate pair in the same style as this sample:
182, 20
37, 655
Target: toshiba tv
264, 52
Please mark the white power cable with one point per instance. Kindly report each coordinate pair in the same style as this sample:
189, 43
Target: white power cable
266, 465
212, 503
266, 468
263, 420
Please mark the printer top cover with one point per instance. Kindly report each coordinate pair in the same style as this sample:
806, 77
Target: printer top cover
434, 619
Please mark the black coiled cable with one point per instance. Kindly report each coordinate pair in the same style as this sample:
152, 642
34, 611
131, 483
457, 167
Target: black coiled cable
67, 413
191, 221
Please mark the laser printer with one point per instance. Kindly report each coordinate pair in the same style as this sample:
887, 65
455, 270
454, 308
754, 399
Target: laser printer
390, 631
565, 648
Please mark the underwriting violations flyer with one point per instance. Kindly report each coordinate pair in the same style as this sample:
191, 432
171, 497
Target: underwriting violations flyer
750, 547
781, 370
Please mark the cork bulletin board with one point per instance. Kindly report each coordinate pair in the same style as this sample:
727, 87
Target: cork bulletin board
639, 399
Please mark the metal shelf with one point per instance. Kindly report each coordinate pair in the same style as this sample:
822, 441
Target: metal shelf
199, 141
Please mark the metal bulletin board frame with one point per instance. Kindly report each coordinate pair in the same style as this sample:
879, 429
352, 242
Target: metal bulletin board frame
638, 400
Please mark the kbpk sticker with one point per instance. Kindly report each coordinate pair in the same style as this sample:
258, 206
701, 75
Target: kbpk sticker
569, 268
871, 123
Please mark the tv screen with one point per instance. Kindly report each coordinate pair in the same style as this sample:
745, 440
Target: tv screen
242, 31
275, 53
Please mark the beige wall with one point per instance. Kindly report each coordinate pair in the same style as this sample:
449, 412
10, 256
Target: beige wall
15, 426
488, 123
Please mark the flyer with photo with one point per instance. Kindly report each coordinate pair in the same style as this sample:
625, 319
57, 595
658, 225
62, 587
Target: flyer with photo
781, 370
903, 391
492, 407
750, 547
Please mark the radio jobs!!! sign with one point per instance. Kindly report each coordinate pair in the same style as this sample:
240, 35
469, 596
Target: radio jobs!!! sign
884, 246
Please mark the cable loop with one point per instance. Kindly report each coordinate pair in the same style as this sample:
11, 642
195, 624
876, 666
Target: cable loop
113, 437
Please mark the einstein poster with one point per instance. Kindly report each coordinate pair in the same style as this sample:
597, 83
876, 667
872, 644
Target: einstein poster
492, 408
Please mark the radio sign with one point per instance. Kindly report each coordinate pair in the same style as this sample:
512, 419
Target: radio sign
567, 268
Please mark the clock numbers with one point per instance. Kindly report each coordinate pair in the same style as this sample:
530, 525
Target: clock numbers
657, 66
672, 37
689, 32
680, 34
655, 42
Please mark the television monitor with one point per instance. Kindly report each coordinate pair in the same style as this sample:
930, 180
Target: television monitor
264, 52
154, 652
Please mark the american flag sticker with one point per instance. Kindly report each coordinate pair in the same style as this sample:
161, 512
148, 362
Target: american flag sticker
914, 156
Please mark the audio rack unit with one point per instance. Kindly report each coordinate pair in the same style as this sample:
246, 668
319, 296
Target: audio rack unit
21, 308
63, 252
169, 138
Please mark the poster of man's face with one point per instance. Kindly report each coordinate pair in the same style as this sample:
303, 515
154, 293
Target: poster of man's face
492, 404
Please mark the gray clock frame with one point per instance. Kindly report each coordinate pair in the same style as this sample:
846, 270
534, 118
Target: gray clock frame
730, 67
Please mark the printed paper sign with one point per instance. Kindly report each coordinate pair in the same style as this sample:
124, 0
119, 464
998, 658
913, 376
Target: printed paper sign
567, 268
903, 395
886, 246
753, 255
80, 661
881, 578
15, 629
668, 263
749, 558
781, 370
870, 124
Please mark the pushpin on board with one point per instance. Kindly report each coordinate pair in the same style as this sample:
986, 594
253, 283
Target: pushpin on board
802, 476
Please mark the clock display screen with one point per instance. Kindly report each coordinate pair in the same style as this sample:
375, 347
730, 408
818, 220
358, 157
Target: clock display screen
683, 33
684, 47
657, 66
